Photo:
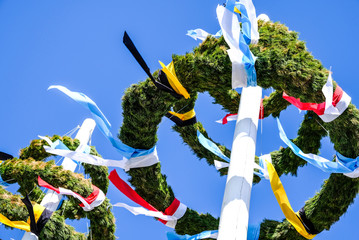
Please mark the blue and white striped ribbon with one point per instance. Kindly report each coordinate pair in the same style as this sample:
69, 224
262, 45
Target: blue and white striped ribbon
202, 34
213, 148
342, 165
252, 234
103, 124
243, 61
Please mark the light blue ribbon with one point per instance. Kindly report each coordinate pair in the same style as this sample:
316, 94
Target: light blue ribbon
202, 235
343, 165
211, 146
252, 234
103, 124
193, 34
244, 41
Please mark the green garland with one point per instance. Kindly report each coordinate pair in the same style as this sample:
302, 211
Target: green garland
283, 63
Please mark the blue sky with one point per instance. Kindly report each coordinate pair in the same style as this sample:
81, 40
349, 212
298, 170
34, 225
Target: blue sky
78, 44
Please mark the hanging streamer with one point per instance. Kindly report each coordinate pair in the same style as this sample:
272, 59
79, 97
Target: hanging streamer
325, 165
309, 226
126, 164
203, 235
284, 204
174, 212
103, 124
163, 84
262, 172
243, 71
248, 11
170, 72
234, 116
252, 234
211, 146
335, 103
181, 120
95, 199
201, 34
39, 216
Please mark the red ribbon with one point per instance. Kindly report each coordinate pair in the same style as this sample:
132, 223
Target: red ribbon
261, 114
90, 199
318, 108
133, 195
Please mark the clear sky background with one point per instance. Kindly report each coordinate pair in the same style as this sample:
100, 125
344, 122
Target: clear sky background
78, 44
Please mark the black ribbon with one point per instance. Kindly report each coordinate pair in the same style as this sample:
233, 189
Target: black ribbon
36, 227
163, 84
308, 225
179, 122
5, 156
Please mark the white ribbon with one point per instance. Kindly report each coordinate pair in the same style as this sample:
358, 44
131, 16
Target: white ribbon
251, 12
126, 164
171, 220
219, 165
231, 31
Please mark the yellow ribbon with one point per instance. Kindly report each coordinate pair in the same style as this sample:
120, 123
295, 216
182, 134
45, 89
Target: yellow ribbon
184, 116
38, 209
237, 10
15, 224
173, 80
284, 204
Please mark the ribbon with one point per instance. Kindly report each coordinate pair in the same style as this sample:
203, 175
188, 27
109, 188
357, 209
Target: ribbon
103, 124
252, 234
181, 120
234, 116
174, 212
243, 71
344, 166
160, 85
126, 164
262, 172
211, 146
309, 227
39, 216
201, 34
206, 234
335, 103
95, 199
170, 72
249, 20
284, 204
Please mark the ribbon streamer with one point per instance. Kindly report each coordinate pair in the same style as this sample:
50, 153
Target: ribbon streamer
211, 146
39, 216
234, 116
201, 34
126, 164
174, 212
317, 161
335, 103
243, 71
262, 172
103, 124
170, 72
95, 199
252, 234
284, 204
163, 84
181, 120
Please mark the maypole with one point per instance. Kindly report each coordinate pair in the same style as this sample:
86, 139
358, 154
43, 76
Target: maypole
235, 207
52, 200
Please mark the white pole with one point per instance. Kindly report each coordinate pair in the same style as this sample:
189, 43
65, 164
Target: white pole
233, 223
52, 200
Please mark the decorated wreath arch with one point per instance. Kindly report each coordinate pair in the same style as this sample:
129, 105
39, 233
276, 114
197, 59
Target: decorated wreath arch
283, 63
